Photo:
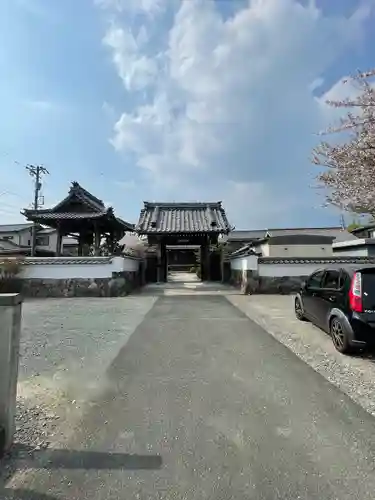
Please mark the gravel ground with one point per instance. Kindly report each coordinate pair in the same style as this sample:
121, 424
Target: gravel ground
35, 427
66, 346
354, 375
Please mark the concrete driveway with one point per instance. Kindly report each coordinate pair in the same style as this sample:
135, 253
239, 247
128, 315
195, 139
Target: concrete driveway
354, 375
202, 403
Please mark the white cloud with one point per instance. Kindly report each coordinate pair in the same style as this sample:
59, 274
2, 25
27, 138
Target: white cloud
135, 69
228, 104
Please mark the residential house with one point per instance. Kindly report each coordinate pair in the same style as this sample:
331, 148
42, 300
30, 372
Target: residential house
367, 231
361, 247
290, 242
295, 245
47, 240
15, 239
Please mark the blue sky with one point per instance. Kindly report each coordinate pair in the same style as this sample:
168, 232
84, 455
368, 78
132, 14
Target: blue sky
176, 100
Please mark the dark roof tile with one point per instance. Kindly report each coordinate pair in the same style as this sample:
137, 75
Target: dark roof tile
45, 215
182, 218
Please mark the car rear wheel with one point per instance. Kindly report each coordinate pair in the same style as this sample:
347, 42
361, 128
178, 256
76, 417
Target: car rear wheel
339, 336
298, 309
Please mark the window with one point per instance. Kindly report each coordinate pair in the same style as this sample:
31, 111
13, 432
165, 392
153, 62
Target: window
7, 238
315, 279
42, 241
332, 280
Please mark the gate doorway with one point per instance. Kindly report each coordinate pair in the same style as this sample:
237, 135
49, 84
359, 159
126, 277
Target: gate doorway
215, 266
183, 263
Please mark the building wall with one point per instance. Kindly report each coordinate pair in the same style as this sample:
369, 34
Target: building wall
79, 276
17, 237
52, 241
358, 251
76, 267
24, 238
283, 275
269, 250
245, 263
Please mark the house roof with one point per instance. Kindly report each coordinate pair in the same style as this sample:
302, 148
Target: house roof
14, 228
297, 239
8, 247
244, 251
337, 233
170, 218
246, 235
367, 227
78, 193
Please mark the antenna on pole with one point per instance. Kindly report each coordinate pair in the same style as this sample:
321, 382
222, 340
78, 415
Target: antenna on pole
36, 171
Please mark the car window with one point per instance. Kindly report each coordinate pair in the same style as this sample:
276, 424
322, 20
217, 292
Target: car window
315, 279
332, 280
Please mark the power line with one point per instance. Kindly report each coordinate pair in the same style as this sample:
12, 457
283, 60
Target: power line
36, 171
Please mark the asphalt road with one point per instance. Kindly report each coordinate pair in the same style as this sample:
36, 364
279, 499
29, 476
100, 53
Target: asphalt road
202, 403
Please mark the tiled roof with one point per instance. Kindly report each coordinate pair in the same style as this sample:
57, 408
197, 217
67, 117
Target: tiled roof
246, 235
337, 233
77, 192
182, 218
46, 214
326, 261
92, 208
67, 260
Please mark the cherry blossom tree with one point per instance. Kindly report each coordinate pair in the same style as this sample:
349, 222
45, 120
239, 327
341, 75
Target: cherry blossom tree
348, 178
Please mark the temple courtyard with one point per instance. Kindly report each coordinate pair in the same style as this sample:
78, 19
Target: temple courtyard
185, 396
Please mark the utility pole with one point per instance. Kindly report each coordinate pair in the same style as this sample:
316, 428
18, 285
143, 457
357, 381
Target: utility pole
36, 171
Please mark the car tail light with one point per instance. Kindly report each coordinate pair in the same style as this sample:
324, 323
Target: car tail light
355, 293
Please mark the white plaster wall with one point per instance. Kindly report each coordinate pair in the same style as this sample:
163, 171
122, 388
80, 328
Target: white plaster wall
23, 238
250, 262
299, 251
56, 269
360, 251
126, 263
19, 238
265, 250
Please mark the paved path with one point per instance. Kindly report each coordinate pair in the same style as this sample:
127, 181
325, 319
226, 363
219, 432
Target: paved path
201, 403
182, 277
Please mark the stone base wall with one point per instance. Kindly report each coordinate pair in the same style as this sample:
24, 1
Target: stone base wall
247, 281
119, 285
251, 283
235, 278
283, 285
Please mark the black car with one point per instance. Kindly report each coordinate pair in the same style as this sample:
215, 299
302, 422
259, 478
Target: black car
341, 302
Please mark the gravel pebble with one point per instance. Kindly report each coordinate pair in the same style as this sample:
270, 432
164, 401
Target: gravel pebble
35, 425
66, 347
